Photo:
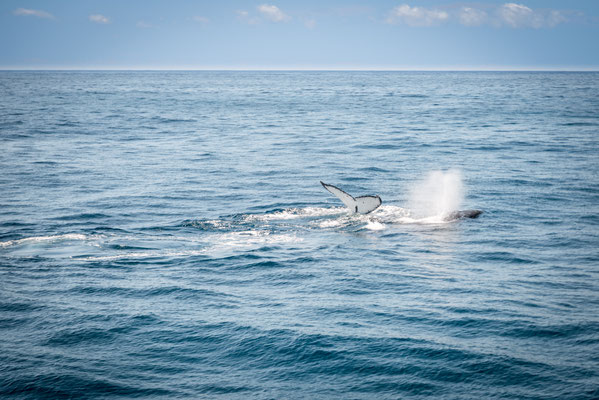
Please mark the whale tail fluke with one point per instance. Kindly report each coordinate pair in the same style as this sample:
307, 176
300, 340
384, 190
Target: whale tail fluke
361, 204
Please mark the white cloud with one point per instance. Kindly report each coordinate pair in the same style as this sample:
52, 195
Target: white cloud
25, 12
472, 17
273, 13
416, 16
143, 24
521, 16
99, 18
511, 15
310, 23
516, 15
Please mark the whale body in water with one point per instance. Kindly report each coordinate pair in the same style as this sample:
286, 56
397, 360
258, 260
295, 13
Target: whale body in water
462, 214
361, 204
367, 204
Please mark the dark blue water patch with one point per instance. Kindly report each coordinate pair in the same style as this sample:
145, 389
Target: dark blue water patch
15, 322
127, 292
581, 123
129, 247
592, 218
16, 136
558, 148
259, 266
547, 284
82, 216
225, 388
19, 307
75, 337
584, 188
8, 124
562, 331
413, 95
68, 124
374, 169
399, 360
490, 148
52, 385
98, 230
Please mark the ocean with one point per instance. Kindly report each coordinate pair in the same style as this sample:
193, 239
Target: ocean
165, 234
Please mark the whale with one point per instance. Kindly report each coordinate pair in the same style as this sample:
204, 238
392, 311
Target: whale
461, 214
367, 204
358, 205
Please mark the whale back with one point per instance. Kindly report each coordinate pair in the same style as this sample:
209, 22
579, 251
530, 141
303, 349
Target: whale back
462, 214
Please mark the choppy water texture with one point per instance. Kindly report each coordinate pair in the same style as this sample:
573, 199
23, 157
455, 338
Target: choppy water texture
164, 234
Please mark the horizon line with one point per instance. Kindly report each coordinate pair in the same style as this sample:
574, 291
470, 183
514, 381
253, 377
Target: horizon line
315, 69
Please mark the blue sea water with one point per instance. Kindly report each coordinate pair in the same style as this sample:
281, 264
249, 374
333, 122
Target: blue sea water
165, 235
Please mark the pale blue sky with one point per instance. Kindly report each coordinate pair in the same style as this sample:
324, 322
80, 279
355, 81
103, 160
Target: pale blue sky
309, 34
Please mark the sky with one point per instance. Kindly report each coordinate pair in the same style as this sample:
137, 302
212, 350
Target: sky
307, 34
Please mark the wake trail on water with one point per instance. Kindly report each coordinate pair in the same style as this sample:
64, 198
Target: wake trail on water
431, 200
43, 239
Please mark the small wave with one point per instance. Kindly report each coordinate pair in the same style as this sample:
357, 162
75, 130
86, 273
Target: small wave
579, 124
373, 169
295, 213
77, 217
166, 120
146, 254
37, 239
67, 124
413, 96
73, 337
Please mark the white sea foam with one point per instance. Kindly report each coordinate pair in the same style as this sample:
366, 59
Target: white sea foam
216, 243
374, 225
330, 223
147, 254
249, 238
38, 239
390, 213
296, 213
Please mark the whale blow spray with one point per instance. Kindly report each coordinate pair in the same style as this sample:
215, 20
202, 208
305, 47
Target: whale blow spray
440, 193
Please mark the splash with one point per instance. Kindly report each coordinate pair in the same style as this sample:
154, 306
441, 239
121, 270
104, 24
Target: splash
374, 225
440, 193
